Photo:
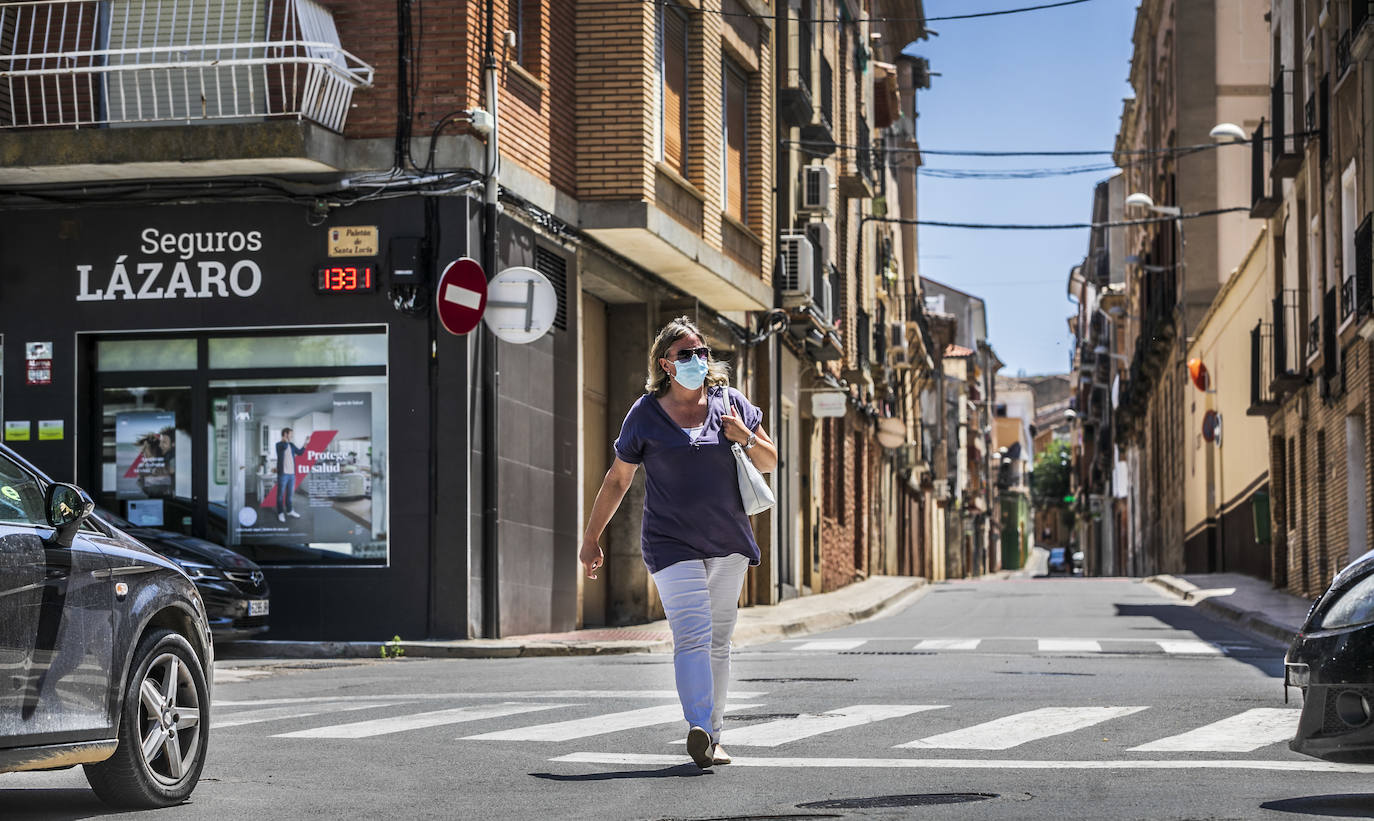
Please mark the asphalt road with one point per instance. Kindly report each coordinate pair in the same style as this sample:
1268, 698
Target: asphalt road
1034, 698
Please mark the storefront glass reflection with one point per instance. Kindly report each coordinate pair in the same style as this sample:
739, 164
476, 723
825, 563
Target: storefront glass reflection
145, 448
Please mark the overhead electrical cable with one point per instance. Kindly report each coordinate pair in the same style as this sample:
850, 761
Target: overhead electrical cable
985, 226
922, 20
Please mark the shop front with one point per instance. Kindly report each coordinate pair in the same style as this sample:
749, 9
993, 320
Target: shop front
247, 374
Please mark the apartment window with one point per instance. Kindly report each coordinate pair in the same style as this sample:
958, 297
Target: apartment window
1314, 286
522, 19
734, 150
673, 87
1348, 227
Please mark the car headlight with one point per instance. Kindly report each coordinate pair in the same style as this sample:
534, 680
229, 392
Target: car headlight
199, 570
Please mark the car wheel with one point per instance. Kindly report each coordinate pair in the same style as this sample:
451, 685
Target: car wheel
163, 728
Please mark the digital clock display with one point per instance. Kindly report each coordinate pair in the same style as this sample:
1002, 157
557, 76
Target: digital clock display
346, 279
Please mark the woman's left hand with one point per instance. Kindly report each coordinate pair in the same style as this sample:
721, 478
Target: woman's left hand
733, 427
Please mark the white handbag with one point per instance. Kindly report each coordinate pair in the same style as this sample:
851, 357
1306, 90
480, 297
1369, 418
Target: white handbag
753, 488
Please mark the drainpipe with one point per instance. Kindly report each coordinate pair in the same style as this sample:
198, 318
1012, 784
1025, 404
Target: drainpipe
491, 514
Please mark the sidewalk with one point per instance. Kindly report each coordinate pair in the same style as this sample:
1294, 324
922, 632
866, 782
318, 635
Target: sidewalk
757, 625
1250, 603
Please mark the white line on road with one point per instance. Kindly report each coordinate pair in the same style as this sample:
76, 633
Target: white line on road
1241, 733
1303, 766
1013, 730
242, 717
1188, 647
595, 725
656, 695
1069, 646
948, 644
774, 733
419, 721
831, 644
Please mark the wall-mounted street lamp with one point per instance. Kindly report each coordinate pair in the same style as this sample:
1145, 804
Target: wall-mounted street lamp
1227, 133
1142, 200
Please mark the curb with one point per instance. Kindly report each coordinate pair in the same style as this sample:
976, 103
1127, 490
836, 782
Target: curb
1254, 621
761, 632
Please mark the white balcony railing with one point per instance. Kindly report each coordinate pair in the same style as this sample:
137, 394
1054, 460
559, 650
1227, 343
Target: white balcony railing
74, 63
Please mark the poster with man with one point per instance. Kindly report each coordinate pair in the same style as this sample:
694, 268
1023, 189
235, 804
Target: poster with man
301, 472
145, 454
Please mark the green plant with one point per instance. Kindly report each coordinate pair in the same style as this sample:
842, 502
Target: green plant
393, 649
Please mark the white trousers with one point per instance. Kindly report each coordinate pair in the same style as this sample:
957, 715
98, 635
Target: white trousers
701, 598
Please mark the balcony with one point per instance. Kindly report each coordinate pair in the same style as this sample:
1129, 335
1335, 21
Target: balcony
795, 106
111, 69
818, 137
1289, 372
1314, 337
1286, 152
1262, 398
1364, 276
1343, 60
857, 181
1263, 204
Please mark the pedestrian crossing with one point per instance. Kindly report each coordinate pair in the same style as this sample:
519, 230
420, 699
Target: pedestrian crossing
915, 728
1018, 645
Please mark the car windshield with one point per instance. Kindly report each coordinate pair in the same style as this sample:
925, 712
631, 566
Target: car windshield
1353, 605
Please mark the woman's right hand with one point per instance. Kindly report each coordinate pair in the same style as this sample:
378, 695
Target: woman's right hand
591, 557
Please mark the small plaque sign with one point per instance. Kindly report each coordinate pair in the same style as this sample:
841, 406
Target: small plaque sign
353, 241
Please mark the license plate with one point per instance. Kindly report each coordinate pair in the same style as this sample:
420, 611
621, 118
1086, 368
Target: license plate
257, 607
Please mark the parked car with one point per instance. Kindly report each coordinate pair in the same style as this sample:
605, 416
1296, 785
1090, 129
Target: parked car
233, 587
1059, 560
1332, 661
105, 647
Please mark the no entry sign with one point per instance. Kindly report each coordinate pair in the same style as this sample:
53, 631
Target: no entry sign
461, 296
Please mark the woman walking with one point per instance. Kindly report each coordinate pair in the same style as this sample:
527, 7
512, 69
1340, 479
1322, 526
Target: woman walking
696, 538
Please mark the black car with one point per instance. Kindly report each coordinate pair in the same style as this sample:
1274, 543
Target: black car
233, 587
1332, 661
105, 649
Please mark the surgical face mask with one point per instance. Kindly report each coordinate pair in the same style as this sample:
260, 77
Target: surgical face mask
692, 373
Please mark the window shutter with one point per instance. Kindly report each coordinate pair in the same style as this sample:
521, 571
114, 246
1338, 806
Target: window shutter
736, 119
675, 89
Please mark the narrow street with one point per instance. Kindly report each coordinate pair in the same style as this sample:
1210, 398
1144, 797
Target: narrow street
1061, 697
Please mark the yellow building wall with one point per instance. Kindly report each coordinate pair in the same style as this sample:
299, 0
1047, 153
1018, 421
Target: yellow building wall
1218, 474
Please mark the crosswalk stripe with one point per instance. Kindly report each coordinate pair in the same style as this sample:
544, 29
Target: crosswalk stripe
242, 717
1014, 730
1242, 733
1188, 647
655, 695
595, 725
830, 762
419, 721
774, 733
948, 644
832, 644
1070, 646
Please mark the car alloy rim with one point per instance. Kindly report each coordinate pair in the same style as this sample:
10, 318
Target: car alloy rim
169, 719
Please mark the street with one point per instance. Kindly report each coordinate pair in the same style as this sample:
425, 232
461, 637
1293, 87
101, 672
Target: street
1060, 697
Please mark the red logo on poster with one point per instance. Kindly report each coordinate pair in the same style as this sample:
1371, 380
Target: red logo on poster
461, 296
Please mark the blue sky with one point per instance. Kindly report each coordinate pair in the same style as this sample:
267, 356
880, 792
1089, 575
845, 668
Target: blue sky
1043, 80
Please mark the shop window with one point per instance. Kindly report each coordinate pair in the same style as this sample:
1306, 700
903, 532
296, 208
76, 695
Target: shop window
673, 87
328, 350
297, 468
146, 355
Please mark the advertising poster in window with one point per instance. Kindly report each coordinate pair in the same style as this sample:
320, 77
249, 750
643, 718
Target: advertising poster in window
301, 474
145, 454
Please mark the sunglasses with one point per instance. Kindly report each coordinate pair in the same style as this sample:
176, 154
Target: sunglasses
686, 354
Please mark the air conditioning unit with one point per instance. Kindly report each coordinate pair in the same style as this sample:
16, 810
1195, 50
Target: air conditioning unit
815, 189
797, 279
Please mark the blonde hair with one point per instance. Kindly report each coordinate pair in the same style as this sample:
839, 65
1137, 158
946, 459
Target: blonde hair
657, 383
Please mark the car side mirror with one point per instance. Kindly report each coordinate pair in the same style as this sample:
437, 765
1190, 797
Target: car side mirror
67, 506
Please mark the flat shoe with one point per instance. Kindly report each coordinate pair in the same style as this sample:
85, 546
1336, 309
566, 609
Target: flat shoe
719, 756
699, 747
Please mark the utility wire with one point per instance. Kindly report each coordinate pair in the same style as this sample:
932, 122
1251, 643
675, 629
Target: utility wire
983, 226
922, 20
934, 152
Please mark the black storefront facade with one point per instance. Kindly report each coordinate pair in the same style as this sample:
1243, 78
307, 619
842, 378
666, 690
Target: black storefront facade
185, 340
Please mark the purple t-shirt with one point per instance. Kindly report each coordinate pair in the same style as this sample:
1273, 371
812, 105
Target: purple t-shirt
692, 507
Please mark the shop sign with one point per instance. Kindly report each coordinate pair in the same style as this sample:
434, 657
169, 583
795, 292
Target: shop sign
828, 404
38, 363
18, 431
145, 454
50, 430
353, 241
182, 273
